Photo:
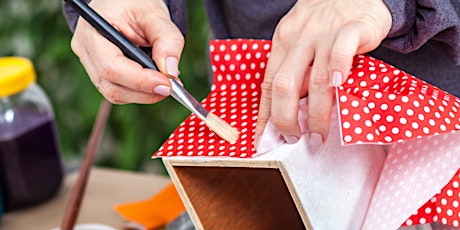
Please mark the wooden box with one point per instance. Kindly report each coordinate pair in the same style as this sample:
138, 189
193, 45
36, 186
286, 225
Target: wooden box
292, 187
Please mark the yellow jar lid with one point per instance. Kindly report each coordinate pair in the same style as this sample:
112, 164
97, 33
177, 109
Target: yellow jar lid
16, 74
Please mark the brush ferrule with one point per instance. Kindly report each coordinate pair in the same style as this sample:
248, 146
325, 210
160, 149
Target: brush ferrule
187, 100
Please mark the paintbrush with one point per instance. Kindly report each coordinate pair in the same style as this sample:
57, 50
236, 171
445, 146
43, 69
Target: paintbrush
215, 123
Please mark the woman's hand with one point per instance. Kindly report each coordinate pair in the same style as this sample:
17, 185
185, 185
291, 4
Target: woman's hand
312, 51
119, 79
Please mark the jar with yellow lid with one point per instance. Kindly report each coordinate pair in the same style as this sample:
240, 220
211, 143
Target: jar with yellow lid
30, 161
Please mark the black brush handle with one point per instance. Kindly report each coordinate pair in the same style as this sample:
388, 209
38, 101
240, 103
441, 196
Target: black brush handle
135, 53
130, 50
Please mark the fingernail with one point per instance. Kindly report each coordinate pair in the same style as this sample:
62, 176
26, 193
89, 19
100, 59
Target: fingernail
291, 139
162, 90
316, 139
172, 66
336, 78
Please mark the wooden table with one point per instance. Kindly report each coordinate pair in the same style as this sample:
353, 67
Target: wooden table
106, 188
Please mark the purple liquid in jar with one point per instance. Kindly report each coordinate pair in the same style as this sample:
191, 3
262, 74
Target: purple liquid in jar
30, 163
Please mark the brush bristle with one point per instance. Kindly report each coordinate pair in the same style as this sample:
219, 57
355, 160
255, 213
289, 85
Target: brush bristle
222, 128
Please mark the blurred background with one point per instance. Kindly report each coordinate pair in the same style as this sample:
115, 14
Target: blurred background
36, 29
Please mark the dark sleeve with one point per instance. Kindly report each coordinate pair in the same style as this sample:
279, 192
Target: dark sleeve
70, 15
177, 10
419, 22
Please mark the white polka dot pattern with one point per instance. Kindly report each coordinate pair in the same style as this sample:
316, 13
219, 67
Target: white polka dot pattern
382, 104
378, 104
414, 172
442, 208
238, 67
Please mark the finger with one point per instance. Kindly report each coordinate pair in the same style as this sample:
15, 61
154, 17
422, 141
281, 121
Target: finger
287, 85
276, 58
304, 89
118, 94
111, 65
85, 39
167, 45
343, 50
320, 95
125, 72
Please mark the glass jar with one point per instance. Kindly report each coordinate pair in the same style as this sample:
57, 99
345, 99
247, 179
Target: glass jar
30, 160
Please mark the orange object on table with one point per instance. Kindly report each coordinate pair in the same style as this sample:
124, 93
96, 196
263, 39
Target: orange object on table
155, 212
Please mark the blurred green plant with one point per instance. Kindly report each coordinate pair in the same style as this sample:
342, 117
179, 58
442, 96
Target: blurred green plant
36, 29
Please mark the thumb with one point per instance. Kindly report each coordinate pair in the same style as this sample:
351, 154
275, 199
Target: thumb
167, 42
343, 50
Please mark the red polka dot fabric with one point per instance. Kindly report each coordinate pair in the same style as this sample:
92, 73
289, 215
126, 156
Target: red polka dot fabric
379, 104
413, 173
382, 104
442, 208
238, 67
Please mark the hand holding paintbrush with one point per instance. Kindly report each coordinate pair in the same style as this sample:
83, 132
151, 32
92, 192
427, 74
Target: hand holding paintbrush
133, 52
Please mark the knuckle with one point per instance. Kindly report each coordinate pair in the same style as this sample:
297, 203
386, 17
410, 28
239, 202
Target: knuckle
349, 28
110, 92
113, 93
105, 71
340, 54
367, 20
174, 41
319, 79
262, 120
266, 88
282, 85
139, 83
281, 124
282, 31
173, 38
177, 41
